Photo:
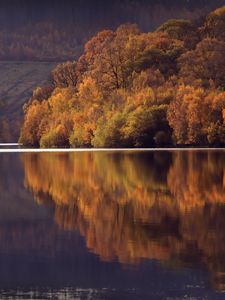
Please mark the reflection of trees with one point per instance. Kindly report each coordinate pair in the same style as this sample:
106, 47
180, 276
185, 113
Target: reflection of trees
196, 179
131, 206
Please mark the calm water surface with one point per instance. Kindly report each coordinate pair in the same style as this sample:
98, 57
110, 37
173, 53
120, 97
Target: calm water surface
112, 225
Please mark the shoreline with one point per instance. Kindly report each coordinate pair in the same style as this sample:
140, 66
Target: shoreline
55, 150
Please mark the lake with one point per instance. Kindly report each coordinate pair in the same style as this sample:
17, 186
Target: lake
112, 225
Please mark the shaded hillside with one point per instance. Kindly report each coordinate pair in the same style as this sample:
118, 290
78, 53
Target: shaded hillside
18, 80
58, 30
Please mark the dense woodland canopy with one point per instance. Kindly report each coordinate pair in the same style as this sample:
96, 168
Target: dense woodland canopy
135, 89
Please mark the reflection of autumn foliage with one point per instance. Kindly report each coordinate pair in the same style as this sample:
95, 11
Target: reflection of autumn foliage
165, 206
193, 179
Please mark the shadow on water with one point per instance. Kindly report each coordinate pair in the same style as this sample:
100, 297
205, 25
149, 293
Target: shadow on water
106, 225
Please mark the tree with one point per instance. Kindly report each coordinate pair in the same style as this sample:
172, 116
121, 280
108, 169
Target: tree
77, 138
65, 75
162, 53
205, 63
35, 123
214, 25
55, 138
144, 124
183, 30
108, 133
196, 116
42, 93
110, 65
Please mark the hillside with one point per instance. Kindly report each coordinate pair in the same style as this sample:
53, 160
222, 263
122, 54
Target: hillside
57, 30
18, 80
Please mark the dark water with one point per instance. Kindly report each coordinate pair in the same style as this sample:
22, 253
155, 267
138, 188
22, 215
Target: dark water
112, 225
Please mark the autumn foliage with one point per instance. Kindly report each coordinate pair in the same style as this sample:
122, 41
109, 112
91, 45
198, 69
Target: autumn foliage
135, 89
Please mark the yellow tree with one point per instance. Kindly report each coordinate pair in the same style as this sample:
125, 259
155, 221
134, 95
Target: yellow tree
35, 123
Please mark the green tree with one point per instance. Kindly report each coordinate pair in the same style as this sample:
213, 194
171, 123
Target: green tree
55, 138
214, 24
183, 30
143, 124
108, 133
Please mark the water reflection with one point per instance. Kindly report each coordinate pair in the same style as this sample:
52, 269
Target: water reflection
166, 206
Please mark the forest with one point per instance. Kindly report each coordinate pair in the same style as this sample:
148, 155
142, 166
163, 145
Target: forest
136, 89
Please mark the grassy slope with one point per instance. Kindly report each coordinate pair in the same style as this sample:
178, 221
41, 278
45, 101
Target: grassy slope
17, 81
